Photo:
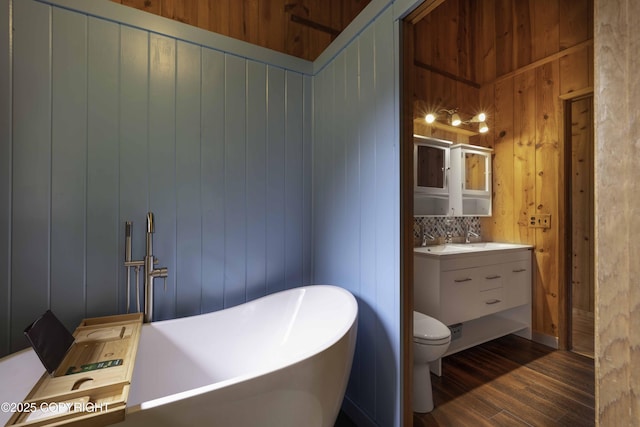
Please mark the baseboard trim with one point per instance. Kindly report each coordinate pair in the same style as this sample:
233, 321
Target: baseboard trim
548, 340
357, 415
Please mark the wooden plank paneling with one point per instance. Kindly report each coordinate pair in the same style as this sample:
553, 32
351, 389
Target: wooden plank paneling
213, 179
617, 188
504, 37
162, 169
575, 22
272, 35
68, 166
544, 28
485, 42
582, 205
188, 181
318, 40
524, 155
574, 72
31, 167
262, 22
256, 179
503, 215
153, 6
522, 37
548, 186
104, 228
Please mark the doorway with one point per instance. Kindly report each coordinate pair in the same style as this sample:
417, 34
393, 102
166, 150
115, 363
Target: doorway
580, 166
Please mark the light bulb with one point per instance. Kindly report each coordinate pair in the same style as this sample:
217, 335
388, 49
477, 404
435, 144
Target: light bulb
483, 128
455, 119
482, 117
430, 118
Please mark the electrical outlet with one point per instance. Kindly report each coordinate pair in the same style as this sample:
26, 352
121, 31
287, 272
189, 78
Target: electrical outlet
540, 221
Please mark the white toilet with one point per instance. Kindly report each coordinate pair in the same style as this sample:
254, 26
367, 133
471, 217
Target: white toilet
431, 339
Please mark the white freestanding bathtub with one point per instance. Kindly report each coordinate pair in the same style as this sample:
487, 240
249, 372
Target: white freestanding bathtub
281, 360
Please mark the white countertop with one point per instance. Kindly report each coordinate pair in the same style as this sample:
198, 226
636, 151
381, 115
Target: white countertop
468, 249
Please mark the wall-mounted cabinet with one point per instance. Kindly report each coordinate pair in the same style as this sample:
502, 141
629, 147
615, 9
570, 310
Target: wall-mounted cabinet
470, 192
431, 164
451, 179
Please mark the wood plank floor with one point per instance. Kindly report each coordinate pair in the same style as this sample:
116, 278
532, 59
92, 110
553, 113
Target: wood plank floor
512, 381
582, 332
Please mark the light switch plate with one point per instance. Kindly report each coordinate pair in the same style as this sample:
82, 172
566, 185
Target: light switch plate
540, 221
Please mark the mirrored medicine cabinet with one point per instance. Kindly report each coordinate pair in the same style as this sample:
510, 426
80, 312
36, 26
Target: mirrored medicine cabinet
451, 179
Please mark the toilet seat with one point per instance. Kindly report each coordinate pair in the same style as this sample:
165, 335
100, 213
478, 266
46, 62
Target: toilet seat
429, 331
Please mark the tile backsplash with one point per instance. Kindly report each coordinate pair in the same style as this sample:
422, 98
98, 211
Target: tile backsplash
436, 226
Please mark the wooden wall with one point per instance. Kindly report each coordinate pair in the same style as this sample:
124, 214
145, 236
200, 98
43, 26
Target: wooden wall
542, 52
444, 70
303, 28
617, 129
582, 207
524, 56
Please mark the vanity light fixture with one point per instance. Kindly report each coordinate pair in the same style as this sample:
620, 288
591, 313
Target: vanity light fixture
430, 118
455, 120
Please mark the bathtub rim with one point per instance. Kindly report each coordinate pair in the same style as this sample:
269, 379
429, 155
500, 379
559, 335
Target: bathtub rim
349, 327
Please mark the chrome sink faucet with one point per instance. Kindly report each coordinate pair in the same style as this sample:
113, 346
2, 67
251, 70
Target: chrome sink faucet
469, 233
426, 236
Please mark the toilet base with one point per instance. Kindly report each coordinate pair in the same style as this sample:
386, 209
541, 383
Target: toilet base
422, 393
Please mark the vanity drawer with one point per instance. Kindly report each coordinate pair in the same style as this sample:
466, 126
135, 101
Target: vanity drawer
491, 301
491, 277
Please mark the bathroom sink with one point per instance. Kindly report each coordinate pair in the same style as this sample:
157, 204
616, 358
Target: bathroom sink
449, 248
493, 245
467, 248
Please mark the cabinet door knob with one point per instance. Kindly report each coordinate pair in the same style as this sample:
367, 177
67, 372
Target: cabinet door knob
492, 301
493, 277
463, 280
519, 270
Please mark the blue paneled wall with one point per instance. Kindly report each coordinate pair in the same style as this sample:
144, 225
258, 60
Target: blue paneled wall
110, 121
356, 207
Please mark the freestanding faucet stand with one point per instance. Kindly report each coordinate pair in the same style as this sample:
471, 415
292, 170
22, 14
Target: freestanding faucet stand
150, 272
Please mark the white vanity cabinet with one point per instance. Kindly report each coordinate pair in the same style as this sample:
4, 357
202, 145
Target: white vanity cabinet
488, 292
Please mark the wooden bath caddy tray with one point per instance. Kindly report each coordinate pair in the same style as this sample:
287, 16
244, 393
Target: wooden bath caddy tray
91, 385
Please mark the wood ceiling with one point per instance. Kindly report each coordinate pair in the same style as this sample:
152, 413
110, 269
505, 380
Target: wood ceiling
302, 28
